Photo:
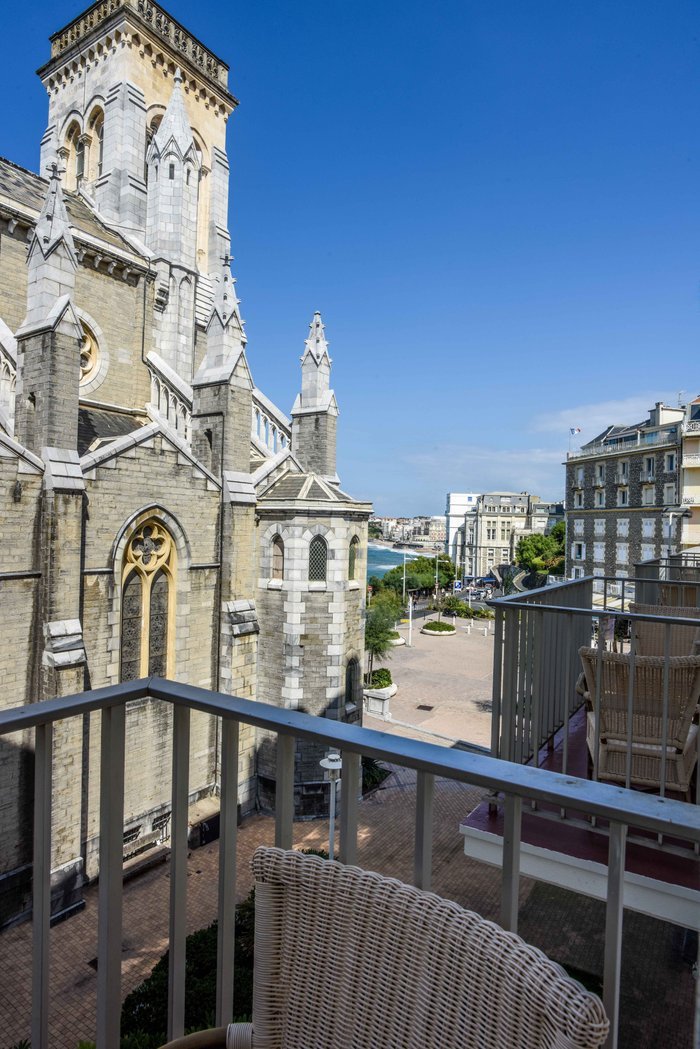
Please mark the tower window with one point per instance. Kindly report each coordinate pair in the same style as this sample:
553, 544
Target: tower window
277, 558
171, 171
147, 602
352, 556
318, 559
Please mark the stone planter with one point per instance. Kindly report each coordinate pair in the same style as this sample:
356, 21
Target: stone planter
377, 701
396, 641
440, 633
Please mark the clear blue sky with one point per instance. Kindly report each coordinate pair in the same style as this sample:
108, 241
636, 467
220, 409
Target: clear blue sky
494, 206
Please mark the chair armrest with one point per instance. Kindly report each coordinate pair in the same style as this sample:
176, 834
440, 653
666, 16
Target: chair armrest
215, 1038
239, 1036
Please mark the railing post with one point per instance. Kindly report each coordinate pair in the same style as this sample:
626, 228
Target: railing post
351, 785
284, 792
613, 929
178, 871
423, 849
497, 687
109, 908
228, 823
510, 885
41, 884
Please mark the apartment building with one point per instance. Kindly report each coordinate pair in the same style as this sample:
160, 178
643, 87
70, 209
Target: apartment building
623, 503
491, 527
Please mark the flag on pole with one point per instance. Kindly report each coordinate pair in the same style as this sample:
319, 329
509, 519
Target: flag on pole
574, 430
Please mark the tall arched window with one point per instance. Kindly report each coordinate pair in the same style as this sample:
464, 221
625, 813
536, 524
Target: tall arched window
277, 558
352, 556
148, 598
75, 166
318, 558
353, 682
96, 125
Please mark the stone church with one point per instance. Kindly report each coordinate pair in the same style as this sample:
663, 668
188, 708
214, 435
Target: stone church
159, 515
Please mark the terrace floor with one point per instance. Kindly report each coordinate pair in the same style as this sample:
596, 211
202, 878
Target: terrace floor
658, 989
544, 829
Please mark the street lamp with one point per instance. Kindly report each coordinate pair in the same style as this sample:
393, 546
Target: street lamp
332, 763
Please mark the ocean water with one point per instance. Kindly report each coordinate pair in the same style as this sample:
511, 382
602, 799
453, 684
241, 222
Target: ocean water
380, 559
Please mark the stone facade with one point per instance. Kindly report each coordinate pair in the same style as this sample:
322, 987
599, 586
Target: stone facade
622, 496
143, 476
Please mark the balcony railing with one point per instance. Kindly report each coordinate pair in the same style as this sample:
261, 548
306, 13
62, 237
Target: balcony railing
519, 784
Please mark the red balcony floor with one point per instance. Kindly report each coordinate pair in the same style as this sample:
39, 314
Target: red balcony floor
545, 828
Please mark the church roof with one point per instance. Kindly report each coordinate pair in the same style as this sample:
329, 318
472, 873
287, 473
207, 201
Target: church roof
23, 188
101, 426
303, 487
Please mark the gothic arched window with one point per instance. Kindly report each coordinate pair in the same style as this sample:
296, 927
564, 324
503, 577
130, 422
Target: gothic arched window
75, 167
318, 558
148, 597
277, 558
352, 556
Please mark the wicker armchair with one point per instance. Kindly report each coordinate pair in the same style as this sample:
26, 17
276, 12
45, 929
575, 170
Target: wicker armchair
346, 959
647, 717
650, 638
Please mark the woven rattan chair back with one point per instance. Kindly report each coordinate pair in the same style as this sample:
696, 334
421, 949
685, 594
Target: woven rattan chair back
650, 638
347, 959
647, 695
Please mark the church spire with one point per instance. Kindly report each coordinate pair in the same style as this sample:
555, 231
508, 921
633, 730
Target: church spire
175, 126
51, 258
315, 411
48, 342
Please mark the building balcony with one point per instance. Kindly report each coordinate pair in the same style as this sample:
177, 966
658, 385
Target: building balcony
536, 703
595, 451
690, 461
547, 716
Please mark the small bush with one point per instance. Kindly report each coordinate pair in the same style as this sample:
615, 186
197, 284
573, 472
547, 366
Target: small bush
373, 774
394, 635
380, 678
439, 628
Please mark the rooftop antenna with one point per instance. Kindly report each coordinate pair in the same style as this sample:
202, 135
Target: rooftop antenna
680, 397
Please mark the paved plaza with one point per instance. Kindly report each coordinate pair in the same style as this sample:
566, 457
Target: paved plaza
444, 685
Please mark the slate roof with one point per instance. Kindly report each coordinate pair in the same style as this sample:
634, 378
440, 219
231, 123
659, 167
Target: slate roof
22, 187
93, 423
295, 486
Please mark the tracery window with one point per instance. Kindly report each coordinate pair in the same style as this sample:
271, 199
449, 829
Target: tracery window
89, 354
318, 558
352, 556
277, 558
148, 593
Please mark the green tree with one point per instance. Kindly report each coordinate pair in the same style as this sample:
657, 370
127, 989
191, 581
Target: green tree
420, 574
379, 627
540, 553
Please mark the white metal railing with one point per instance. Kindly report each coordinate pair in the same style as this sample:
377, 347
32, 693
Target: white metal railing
518, 783
619, 448
537, 684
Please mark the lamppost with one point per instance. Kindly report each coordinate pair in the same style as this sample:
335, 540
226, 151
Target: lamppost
403, 589
333, 764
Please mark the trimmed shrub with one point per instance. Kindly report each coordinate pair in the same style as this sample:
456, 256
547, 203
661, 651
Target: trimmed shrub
394, 635
438, 628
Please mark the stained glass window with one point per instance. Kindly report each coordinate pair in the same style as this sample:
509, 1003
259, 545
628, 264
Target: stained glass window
318, 556
147, 602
